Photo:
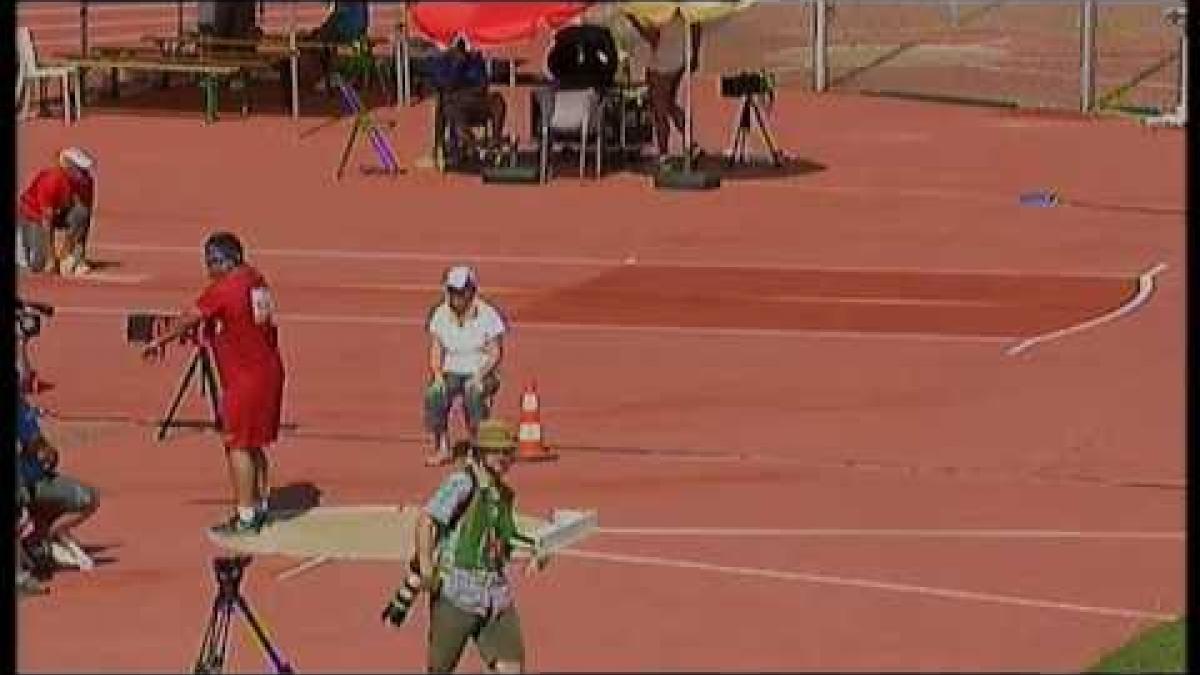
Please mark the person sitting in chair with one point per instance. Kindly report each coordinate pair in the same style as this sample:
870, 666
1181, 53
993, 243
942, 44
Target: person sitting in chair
464, 100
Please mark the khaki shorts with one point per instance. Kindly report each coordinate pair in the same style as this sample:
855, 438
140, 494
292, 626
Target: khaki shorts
498, 637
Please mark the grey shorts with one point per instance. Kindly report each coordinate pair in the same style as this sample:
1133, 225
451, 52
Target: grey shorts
60, 494
498, 637
31, 244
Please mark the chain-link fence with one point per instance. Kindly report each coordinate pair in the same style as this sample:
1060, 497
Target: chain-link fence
1025, 53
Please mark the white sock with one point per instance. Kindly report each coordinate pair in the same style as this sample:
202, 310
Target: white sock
246, 513
262, 505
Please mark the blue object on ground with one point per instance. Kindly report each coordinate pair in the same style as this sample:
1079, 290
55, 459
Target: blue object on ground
1040, 198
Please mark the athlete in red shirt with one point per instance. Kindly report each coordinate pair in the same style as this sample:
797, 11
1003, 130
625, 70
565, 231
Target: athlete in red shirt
235, 315
59, 197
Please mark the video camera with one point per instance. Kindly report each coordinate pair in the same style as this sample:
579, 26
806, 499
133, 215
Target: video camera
747, 84
29, 318
144, 328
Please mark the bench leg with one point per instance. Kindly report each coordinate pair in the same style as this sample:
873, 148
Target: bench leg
78, 95
208, 84
64, 85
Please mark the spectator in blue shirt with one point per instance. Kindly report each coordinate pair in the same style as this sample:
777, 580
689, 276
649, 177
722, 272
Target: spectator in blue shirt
461, 78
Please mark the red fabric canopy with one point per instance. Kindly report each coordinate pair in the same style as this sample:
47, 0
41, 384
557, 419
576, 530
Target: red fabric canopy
490, 24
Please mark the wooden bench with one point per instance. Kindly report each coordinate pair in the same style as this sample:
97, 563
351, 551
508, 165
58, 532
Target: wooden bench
267, 44
211, 71
278, 45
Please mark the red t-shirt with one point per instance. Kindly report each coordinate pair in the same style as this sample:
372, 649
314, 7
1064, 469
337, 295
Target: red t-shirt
50, 191
240, 326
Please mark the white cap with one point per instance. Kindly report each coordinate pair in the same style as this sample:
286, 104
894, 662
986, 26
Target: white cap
460, 277
77, 157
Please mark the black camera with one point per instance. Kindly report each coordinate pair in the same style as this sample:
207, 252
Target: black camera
144, 328
29, 318
747, 84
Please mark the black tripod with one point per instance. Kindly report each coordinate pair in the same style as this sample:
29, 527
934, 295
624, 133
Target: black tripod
216, 635
200, 366
748, 115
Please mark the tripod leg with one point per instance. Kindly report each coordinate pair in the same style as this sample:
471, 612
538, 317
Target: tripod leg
277, 659
169, 418
216, 638
349, 144
768, 140
739, 123
211, 386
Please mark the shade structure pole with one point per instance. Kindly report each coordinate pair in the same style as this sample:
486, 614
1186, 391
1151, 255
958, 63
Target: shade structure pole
83, 27
295, 60
687, 100
403, 83
1087, 55
820, 45
178, 19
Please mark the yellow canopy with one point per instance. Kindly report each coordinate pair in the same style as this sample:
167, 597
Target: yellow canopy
657, 12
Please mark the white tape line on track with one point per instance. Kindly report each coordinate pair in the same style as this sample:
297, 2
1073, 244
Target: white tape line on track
301, 568
1145, 290
944, 593
886, 533
405, 321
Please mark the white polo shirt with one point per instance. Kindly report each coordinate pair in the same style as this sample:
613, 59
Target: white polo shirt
463, 343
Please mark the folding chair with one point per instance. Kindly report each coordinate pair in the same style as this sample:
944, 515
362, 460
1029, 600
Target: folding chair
30, 72
571, 116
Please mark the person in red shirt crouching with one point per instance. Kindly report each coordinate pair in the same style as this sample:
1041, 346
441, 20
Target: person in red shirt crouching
59, 198
235, 315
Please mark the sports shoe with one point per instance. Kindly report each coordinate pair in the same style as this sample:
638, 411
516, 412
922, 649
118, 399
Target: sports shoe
27, 584
81, 268
67, 552
235, 526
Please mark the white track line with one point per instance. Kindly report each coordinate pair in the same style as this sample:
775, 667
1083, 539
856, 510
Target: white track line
945, 593
1145, 289
405, 321
903, 533
303, 567
579, 261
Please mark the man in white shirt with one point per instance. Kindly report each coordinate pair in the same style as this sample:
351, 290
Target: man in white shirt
465, 347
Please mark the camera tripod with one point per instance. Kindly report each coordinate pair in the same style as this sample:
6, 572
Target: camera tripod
216, 634
200, 366
750, 113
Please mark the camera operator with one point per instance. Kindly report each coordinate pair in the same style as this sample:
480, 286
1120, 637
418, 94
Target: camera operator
57, 503
235, 314
59, 197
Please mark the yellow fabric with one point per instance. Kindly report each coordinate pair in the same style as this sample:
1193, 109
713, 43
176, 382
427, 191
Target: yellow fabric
659, 12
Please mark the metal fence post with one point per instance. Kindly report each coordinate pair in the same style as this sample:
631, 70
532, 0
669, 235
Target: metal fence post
820, 45
1087, 55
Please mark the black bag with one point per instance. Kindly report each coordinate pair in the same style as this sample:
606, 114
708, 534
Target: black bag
583, 57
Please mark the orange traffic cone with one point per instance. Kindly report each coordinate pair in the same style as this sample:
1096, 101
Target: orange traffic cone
529, 433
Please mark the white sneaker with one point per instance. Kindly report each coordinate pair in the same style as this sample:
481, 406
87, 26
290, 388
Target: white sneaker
67, 552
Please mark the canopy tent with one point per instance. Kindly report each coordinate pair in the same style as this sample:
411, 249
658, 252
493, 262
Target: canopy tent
659, 13
490, 24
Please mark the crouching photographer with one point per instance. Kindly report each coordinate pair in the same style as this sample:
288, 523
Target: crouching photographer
56, 502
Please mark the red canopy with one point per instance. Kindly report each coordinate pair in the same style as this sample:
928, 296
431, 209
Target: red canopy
490, 24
